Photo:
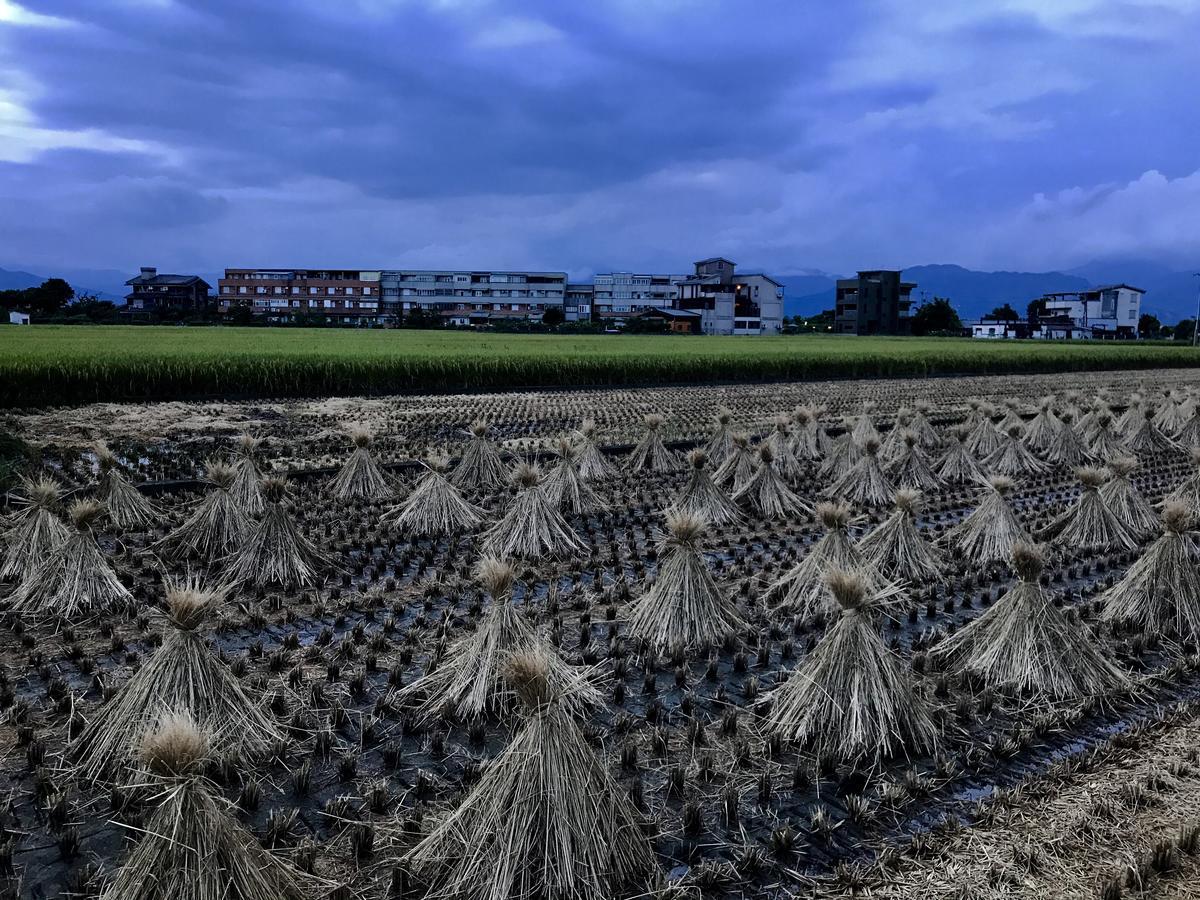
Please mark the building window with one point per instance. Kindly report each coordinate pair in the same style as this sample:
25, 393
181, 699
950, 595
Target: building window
295, 290
312, 292
330, 291
260, 290
366, 292
242, 290
349, 292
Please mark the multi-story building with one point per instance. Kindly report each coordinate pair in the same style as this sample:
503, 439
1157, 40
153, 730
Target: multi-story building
730, 303
343, 296
876, 302
154, 293
1111, 311
579, 301
619, 295
471, 297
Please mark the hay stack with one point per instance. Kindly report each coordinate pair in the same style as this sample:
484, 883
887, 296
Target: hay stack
545, 821
852, 699
864, 484
1144, 437
36, 531
1104, 440
1013, 458
533, 526
1089, 523
1026, 643
701, 496
684, 607
216, 527
192, 847
783, 458
650, 454
469, 682
360, 477
992, 529
738, 467
435, 507
984, 439
593, 465
75, 578
897, 549
720, 445
247, 485
183, 674
864, 429
1011, 417
910, 467
842, 455
1187, 491
1160, 593
767, 494
1043, 429
277, 553
892, 445
805, 443
927, 437
480, 467
566, 487
1189, 433
1068, 449
1121, 495
127, 507
957, 465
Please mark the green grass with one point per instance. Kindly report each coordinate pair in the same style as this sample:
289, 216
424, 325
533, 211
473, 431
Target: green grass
63, 364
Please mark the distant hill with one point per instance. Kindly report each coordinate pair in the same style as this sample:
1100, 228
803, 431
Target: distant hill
18, 281
107, 284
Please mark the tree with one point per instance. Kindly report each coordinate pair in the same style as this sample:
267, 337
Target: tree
553, 316
46, 299
937, 316
1149, 326
1035, 310
1005, 313
1183, 331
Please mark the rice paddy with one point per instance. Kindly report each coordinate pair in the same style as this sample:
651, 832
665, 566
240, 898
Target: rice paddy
924, 638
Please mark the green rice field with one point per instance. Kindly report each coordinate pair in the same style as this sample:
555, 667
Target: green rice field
63, 364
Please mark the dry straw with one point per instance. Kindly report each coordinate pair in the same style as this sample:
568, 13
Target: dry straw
992, 529
864, 484
216, 527
1013, 458
985, 438
1043, 429
566, 487
247, 485
852, 699
766, 492
806, 444
533, 526
738, 467
864, 429
1026, 643
721, 443
702, 497
1187, 491
1068, 450
1121, 495
481, 467
927, 436
183, 674
650, 454
684, 608
897, 549
36, 531
545, 821
1089, 523
435, 507
1104, 441
910, 467
593, 465
841, 456
127, 507
1144, 437
277, 552
360, 477
957, 465
780, 442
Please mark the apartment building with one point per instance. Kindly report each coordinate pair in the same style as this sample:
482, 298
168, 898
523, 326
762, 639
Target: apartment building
1111, 311
152, 291
579, 302
619, 295
471, 297
876, 302
343, 296
729, 302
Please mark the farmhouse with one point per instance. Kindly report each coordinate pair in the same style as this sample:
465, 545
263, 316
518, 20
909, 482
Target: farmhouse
18, 318
154, 292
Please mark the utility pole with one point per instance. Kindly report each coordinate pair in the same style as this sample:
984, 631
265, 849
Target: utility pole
1196, 321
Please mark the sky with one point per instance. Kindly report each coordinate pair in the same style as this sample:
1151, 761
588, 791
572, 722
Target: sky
600, 135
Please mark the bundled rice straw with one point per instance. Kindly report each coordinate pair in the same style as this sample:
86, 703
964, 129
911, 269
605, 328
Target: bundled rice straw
927, 436
545, 821
650, 454
217, 527
910, 468
780, 442
277, 553
1012, 457
185, 675
192, 847
1067, 449
1189, 434
470, 682
1134, 412
1144, 437
842, 456
1170, 417
76, 577
805, 445
1026, 643
864, 484
852, 698
480, 467
957, 465
247, 485
985, 438
992, 529
892, 445
738, 467
701, 497
360, 477
864, 428
593, 465
533, 526
1089, 523
684, 607
36, 530
1121, 495
897, 549
1011, 417
1187, 491
766, 492
565, 486
1104, 441
720, 445
435, 507
127, 507
1160, 593
1043, 429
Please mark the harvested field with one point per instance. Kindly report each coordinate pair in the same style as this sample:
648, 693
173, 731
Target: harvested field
468, 646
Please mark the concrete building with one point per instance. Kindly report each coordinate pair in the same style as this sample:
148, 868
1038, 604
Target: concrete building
471, 297
1111, 312
732, 303
18, 318
341, 296
578, 304
151, 292
876, 302
619, 295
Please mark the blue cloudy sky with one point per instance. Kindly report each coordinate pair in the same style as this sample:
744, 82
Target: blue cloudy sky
198, 134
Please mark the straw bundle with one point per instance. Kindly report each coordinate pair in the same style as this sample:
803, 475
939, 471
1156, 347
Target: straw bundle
1189, 434
217, 526
435, 507
720, 445
992, 529
1160, 593
36, 530
927, 436
957, 465
852, 698
480, 467
470, 682
864, 427
766, 493
545, 821
842, 455
565, 486
192, 847
701, 497
738, 467
864, 484
1026, 643
533, 526
780, 442
650, 454
1104, 441
1121, 495
1012, 457
1068, 449
1170, 417
127, 507
805, 445
361, 478
76, 577
892, 445
910, 467
1089, 523
1134, 412
277, 553
247, 485
184, 675
1011, 417
684, 607
1187, 491
1144, 437
897, 549
593, 465
985, 438
1043, 429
